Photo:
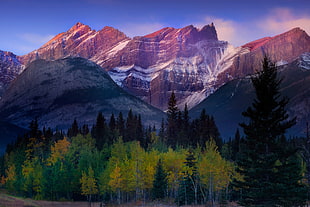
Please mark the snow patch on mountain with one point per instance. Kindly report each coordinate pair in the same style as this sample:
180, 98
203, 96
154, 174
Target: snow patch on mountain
281, 62
118, 47
304, 61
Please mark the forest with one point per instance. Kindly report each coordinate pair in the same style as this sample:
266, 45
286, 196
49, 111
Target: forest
185, 161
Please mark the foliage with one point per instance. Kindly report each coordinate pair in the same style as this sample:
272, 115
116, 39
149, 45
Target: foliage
265, 157
160, 183
123, 161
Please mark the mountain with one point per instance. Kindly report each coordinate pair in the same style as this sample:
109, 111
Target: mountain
230, 100
78, 41
10, 67
191, 62
283, 48
151, 66
57, 92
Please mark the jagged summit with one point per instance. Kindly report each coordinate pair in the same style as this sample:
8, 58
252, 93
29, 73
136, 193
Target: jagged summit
293, 34
190, 61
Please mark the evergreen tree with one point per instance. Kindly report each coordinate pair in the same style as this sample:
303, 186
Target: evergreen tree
121, 124
162, 135
160, 182
260, 162
112, 123
74, 130
100, 131
186, 123
235, 145
85, 130
189, 187
172, 115
139, 133
130, 130
34, 129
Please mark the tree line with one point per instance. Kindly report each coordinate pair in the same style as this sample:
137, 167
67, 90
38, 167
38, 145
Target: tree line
185, 161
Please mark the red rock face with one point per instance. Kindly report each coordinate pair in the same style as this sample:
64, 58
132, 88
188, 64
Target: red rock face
189, 61
160, 57
285, 47
10, 67
80, 41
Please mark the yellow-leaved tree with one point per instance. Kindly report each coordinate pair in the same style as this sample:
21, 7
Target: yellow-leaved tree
116, 182
173, 163
58, 151
10, 177
89, 184
215, 172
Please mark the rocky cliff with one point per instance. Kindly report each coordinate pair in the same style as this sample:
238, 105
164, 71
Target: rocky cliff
191, 62
282, 49
10, 67
150, 67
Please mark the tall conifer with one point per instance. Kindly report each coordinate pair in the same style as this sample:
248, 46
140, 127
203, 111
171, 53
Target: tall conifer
261, 161
172, 115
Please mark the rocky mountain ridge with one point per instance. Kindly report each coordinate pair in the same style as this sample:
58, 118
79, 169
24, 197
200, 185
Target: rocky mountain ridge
191, 62
10, 68
151, 66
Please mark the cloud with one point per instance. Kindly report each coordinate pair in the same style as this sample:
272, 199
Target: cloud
277, 21
140, 29
228, 30
283, 19
35, 38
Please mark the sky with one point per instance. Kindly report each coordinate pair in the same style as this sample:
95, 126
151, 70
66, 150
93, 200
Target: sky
28, 24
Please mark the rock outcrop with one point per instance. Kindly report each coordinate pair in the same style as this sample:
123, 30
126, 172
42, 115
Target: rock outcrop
191, 62
10, 67
282, 49
150, 67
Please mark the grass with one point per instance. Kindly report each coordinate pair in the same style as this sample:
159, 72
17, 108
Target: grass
7, 200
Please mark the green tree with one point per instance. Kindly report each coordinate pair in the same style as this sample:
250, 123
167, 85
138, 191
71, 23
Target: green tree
74, 130
172, 115
100, 131
160, 183
189, 186
261, 162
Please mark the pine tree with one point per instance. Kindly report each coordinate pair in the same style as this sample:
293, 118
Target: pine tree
112, 123
162, 132
172, 115
188, 190
130, 130
261, 163
160, 182
74, 130
120, 124
100, 131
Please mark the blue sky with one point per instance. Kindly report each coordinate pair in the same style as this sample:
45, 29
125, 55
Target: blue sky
28, 24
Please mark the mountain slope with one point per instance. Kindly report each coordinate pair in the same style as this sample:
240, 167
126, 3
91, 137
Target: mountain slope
149, 67
10, 67
191, 62
56, 92
229, 101
283, 48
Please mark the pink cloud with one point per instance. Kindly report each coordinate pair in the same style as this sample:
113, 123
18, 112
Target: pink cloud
275, 22
283, 19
